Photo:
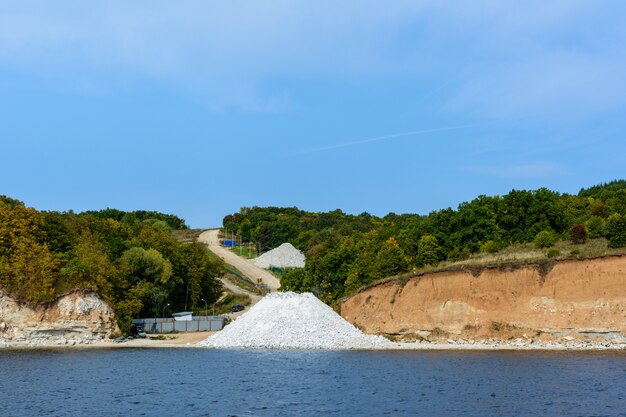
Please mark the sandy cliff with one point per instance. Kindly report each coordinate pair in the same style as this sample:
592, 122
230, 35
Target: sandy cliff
78, 317
584, 299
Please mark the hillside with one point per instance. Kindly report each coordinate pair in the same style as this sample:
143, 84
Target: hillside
345, 252
583, 300
131, 259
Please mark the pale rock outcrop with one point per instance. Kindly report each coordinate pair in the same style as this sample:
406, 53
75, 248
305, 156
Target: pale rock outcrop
75, 318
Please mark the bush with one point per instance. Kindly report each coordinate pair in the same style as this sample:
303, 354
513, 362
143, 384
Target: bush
553, 253
498, 326
545, 239
457, 254
490, 247
578, 234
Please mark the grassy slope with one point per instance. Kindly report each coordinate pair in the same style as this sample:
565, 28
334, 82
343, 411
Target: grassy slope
528, 253
244, 252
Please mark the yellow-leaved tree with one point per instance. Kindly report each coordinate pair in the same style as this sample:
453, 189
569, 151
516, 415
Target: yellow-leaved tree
28, 270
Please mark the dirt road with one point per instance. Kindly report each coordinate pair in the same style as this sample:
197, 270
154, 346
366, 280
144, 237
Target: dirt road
255, 298
211, 238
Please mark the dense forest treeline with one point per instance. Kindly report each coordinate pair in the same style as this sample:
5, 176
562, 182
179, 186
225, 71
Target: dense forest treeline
345, 252
130, 258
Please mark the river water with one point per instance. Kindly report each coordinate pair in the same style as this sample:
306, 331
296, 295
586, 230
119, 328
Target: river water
199, 382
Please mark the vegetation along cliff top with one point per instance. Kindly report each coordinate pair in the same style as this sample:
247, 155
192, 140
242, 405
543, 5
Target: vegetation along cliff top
346, 252
143, 260
130, 258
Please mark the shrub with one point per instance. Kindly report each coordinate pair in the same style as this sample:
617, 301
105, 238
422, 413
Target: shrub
578, 234
545, 239
498, 326
490, 247
457, 254
575, 252
553, 253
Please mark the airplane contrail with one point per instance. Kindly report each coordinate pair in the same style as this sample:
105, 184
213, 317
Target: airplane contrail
380, 138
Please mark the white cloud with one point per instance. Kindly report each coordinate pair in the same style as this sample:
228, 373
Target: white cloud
222, 50
532, 57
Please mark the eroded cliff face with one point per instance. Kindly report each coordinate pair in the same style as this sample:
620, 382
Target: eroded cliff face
76, 318
576, 298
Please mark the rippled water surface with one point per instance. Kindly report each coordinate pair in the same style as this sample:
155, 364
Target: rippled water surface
198, 382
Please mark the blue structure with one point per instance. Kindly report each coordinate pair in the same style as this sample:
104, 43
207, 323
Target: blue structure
230, 243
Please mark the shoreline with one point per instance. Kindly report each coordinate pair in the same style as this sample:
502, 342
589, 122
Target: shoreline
191, 340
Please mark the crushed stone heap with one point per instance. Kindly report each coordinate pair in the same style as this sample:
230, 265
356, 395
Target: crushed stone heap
286, 320
284, 256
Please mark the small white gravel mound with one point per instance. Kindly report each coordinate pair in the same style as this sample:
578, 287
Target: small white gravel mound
284, 256
286, 320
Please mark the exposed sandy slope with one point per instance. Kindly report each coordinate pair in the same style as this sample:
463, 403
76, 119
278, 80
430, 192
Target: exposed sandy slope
583, 299
211, 238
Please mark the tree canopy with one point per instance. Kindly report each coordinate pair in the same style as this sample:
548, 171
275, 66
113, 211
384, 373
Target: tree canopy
345, 252
130, 259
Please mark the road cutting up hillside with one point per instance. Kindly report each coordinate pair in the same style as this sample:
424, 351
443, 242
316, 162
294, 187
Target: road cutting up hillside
211, 239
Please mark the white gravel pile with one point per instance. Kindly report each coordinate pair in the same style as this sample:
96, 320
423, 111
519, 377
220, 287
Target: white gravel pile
284, 256
293, 321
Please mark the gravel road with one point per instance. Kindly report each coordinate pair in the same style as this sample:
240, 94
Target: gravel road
211, 238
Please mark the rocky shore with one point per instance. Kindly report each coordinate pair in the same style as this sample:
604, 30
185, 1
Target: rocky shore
514, 345
183, 341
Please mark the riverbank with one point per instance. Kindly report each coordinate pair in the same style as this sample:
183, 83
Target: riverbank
191, 340
178, 340
569, 301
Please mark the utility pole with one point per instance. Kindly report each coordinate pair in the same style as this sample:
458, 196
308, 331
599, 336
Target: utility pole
186, 296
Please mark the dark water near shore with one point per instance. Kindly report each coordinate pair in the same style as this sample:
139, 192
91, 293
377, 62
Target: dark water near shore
191, 382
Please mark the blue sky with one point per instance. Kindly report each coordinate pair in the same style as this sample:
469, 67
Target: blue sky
197, 108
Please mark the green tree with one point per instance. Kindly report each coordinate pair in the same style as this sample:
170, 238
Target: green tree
390, 259
595, 227
89, 266
147, 265
293, 280
616, 231
429, 251
158, 224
